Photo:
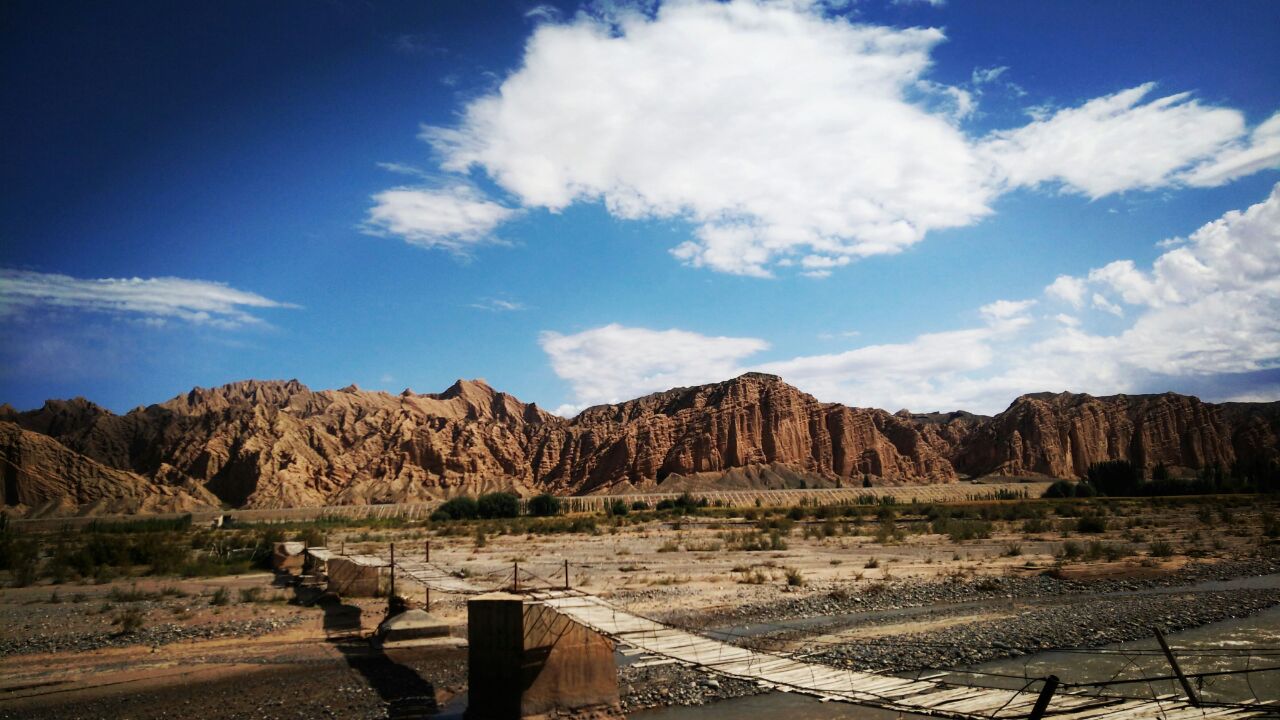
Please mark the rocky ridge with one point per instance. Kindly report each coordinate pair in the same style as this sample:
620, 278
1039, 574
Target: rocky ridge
270, 444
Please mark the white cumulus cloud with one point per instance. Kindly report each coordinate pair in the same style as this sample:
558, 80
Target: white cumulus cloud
1207, 307
1067, 289
153, 300
612, 363
454, 218
787, 137
774, 129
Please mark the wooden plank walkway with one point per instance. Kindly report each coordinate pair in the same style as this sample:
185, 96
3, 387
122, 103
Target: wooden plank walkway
432, 576
924, 697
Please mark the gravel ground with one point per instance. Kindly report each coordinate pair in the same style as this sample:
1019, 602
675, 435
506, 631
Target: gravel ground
663, 685
154, 635
1050, 613
1078, 622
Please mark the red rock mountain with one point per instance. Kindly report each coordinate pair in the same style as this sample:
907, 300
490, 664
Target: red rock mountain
279, 444
1061, 435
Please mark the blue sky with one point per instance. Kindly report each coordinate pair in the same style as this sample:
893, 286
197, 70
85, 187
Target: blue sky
924, 205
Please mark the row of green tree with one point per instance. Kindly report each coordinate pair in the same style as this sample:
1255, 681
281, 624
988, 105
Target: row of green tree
498, 505
1121, 478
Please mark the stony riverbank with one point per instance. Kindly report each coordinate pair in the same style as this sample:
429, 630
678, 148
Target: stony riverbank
1075, 623
1034, 613
664, 685
154, 635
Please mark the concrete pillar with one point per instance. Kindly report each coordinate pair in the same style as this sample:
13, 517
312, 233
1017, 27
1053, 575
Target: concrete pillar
529, 660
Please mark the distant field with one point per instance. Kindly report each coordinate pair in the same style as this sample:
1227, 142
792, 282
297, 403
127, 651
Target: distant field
954, 492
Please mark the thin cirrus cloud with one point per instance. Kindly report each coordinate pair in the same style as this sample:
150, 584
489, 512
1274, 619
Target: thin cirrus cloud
787, 138
1207, 307
498, 305
153, 300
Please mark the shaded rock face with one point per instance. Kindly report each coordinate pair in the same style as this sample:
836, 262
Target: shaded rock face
41, 474
280, 444
1061, 435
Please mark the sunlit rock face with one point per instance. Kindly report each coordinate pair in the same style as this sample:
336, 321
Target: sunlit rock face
271, 444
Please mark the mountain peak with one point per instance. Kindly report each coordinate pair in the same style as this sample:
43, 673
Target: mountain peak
477, 388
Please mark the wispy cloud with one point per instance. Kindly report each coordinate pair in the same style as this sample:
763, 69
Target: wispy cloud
151, 300
1115, 143
543, 13
404, 169
417, 44
497, 305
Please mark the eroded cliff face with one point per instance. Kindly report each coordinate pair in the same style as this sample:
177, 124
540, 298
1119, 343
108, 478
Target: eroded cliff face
42, 475
1061, 435
280, 444
755, 419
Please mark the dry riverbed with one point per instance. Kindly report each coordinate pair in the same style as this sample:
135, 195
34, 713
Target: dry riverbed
869, 592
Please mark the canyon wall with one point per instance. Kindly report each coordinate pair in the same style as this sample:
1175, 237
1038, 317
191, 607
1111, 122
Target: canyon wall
279, 444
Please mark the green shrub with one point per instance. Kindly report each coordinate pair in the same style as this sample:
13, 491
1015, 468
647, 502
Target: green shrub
462, 507
959, 530
1061, 489
312, 537
23, 560
1091, 524
544, 505
1115, 477
498, 505
130, 621
794, 577
617, 508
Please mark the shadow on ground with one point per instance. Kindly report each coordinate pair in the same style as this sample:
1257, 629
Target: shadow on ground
403, 690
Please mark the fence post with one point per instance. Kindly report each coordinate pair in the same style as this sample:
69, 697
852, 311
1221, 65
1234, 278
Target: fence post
515, 576
1177, 670
566, 574
1042, 702
391, 597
